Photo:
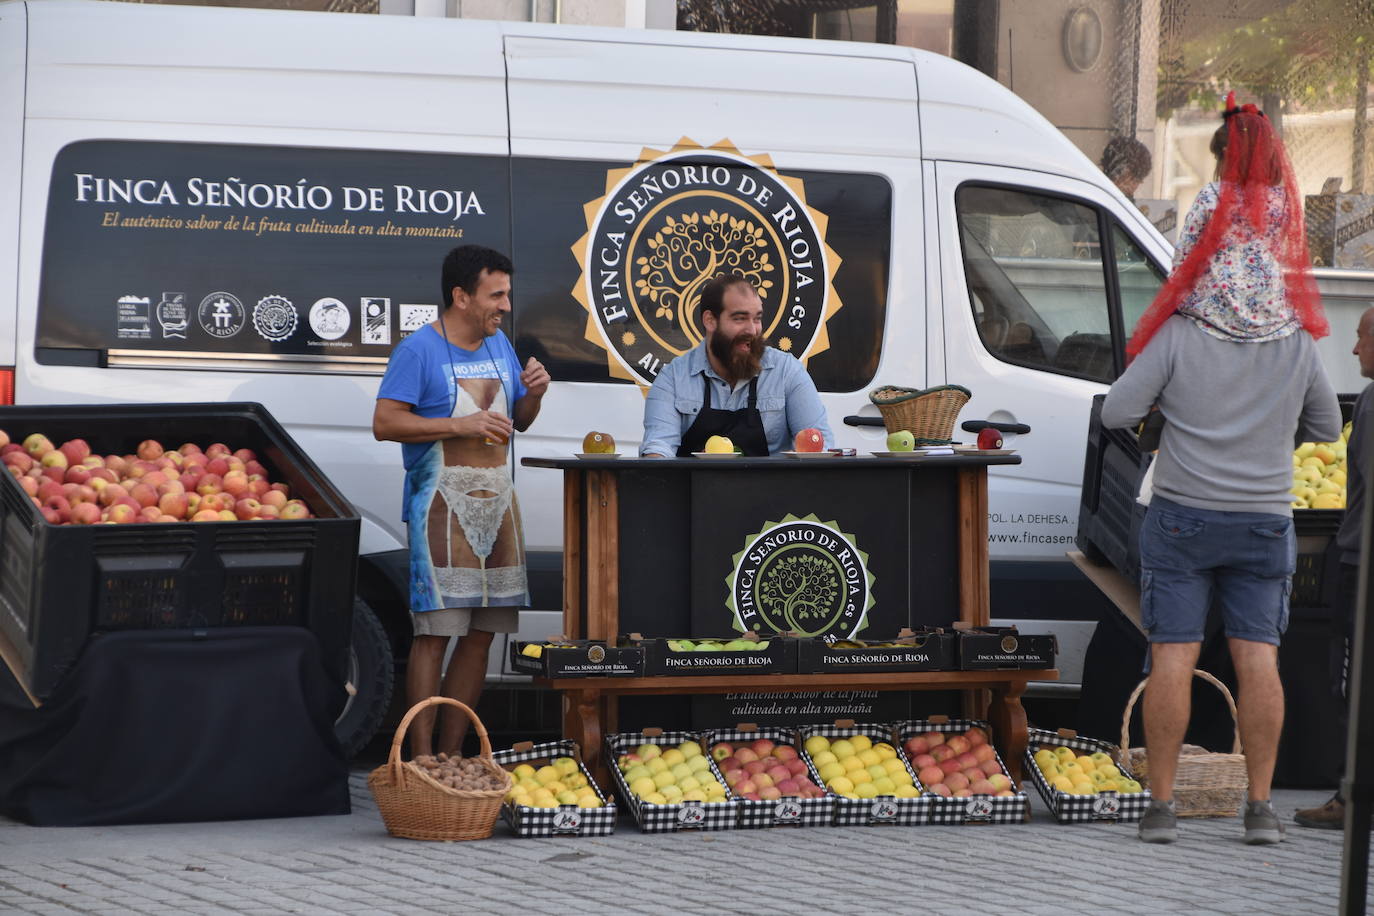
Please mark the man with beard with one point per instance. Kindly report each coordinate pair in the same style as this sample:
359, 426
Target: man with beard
731, 385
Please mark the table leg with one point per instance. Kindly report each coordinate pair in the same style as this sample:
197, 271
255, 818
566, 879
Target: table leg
582, 722
1008, 720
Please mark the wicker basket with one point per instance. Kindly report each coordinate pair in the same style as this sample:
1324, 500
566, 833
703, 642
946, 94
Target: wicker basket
1206, 784
928, 414
416, 807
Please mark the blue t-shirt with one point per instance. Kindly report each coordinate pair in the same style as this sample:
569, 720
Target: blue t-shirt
427, 371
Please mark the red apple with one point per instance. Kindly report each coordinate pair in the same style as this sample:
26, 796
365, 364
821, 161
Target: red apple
37, 445
206, 515
966, 760
983, 787
999, 783
720, 751
942, 752
208, 483
235, 483
809, 440
788, 787
85, 514
173, 504
217, 466
149, 449
150, 514
983, 752
268, 513
976, 736
247, 508
121, 514
733, 777
763, 780
931, 775
217, 450
950, 765
783, 752
76, 450
746, 788
796, 766
989, 438
916, 746
957, 781
934, 738
254, 469
77, 474
754, 767
21, 460
959, 743
941, 789
778, 773
143, 494
112, 493
920, 761
245, 455
277, 499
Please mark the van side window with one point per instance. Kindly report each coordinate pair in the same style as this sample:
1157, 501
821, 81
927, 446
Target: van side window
1138, 278
1033, 264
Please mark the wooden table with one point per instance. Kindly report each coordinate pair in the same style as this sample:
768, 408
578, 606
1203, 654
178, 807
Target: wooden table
936, 568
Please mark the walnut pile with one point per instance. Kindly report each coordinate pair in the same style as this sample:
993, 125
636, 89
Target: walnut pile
468, 774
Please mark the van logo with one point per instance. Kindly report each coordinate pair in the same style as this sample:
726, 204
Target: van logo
221, 315
673, 221
376, 311
329, 319
131, 318
171, 315
803, 575
274, 318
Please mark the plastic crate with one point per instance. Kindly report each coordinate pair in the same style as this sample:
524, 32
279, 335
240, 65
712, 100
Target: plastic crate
59, 585
1109, 517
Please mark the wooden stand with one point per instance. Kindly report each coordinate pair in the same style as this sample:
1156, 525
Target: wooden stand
593, 551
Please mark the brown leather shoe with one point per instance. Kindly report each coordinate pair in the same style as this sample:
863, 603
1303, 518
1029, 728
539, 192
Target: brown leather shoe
1330, 816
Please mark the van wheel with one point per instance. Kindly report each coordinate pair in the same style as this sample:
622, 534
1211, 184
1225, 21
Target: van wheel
371, 672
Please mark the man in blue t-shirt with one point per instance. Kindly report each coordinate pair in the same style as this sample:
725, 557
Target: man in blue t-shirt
452, 394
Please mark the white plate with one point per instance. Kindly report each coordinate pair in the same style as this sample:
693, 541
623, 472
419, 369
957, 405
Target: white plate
972, 450
821, 454
596, 455
716, 456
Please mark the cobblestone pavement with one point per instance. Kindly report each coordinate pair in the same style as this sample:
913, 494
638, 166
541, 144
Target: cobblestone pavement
349, 865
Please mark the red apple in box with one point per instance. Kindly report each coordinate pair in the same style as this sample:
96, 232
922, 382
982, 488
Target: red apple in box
809, 440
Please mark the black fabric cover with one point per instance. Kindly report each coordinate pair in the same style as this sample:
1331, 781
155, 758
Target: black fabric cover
177, 725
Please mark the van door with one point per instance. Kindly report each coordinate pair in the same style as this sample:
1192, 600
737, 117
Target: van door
1042, 283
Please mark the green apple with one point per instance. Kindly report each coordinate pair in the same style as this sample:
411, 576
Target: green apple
901, 441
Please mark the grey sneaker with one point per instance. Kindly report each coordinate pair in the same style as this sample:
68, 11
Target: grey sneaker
1160, 823
1262, 825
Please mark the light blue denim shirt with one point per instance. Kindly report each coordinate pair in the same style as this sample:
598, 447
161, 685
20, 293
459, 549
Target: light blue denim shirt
787, 401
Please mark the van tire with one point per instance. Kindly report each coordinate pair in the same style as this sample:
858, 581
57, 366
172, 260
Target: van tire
372, 673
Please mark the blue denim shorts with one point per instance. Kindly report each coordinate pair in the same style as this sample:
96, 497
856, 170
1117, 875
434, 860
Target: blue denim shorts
1188, 557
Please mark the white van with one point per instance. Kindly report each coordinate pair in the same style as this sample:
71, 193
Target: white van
191, 198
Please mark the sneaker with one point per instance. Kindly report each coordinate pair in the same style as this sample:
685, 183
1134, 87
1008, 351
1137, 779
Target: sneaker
1330, 816
1262, 826
1160, 823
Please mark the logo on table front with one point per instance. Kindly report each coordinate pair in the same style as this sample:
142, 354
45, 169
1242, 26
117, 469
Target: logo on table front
803, 575
676, 219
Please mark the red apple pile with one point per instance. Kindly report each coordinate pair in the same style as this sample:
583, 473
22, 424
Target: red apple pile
762, 770
72, 486
957, 765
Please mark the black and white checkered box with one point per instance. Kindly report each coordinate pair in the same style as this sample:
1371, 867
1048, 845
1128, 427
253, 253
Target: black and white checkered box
663, 818
1070, 809
866, 812
974, 809
782, 812
565, 820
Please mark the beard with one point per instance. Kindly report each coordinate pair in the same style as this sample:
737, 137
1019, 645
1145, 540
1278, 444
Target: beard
739, 364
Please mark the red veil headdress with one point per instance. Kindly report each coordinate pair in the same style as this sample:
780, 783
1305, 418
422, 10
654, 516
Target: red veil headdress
1254, 161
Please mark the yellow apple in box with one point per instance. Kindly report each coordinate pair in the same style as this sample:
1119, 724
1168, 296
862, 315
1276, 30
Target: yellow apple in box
595, 443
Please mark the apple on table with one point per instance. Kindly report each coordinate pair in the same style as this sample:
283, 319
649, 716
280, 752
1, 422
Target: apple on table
809, 440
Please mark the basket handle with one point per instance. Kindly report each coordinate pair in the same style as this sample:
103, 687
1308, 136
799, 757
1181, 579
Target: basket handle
1197, 672
393, 759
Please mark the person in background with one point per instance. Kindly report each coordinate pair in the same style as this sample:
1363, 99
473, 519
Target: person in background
1126, 161
452, 393
1360, 450
731, 385
1227, 353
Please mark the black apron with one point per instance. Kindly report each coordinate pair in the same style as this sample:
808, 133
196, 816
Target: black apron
743, 427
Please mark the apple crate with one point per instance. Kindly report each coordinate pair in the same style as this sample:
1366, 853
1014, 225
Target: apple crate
782, 812
928, 650
975, 809
667, 818
582, 658
870, 812
565, 820
1108, 807
59, 585
779, 657
992, 648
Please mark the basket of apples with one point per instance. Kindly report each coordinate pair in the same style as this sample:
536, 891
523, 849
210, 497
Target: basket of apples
870, 781
958, 766
774, 783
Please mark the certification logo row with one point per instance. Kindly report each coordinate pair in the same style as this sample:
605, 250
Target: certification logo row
275, 318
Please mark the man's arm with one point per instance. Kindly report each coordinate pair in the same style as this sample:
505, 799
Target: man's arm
662, 424
396, 421
1137, 390
804, 407
1321, 411
536, 380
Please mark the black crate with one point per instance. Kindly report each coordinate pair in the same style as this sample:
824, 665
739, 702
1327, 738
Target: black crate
1107, 807
929, 650
1003, 648
972, 809
565, 820
585, 658
783, 812
780, 657
61, 584
1109, 517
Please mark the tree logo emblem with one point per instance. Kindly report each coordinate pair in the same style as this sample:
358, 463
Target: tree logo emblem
673, 221
801, 575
